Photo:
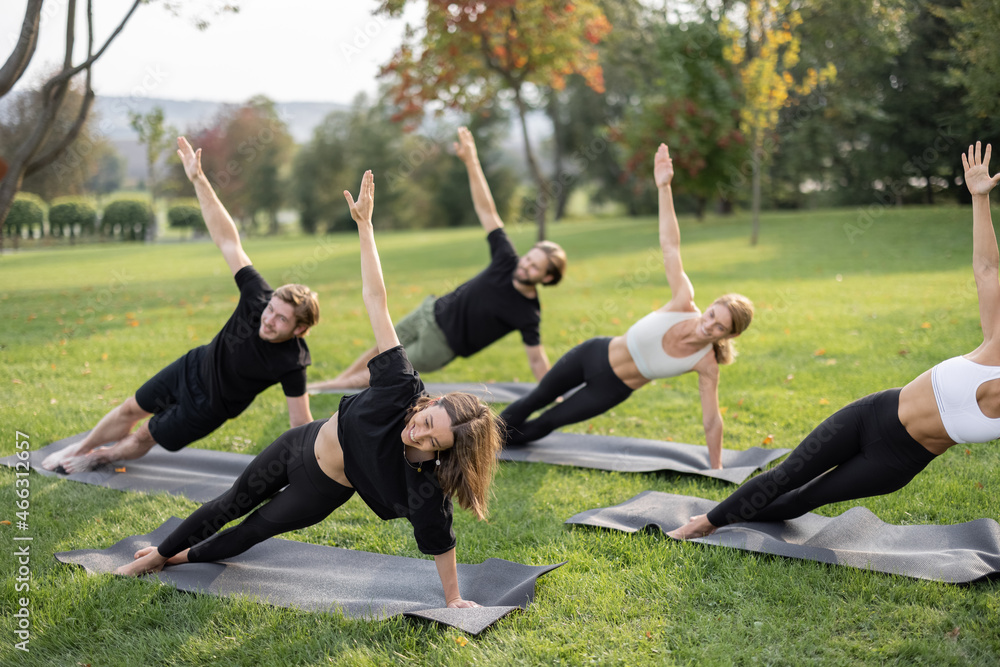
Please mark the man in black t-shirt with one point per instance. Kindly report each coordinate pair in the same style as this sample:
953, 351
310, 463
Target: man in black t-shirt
260, 345
501, 299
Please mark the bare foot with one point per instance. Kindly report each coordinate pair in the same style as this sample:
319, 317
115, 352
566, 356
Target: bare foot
150, 560
75, 464
697, 526
55, 459
173, 560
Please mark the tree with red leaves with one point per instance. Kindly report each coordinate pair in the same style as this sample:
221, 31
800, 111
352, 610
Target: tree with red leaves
468, 53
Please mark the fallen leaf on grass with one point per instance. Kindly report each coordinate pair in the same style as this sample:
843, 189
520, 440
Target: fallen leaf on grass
903, 353
133, 323
979, 485
5, 522
16, 381
824, 401
968, 451
723, 409
768, 440
820, 352
927, 325
461, 641
52, 401
789, 377
649, 635
953, 634
122, 469
107, 386
32, 317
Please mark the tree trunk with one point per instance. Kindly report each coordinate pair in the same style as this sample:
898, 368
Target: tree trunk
542, 202
930, 191
562, 182
755, 206
699, 211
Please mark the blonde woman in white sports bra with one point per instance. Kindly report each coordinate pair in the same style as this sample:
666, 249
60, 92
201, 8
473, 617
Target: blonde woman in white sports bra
673, 340
877, 444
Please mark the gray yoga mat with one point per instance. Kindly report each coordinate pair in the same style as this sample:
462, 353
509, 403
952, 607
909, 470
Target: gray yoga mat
198, 474
607, 452
318, 578
955, 554
492, 392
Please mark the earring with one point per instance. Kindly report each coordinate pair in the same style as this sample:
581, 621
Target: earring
437, 459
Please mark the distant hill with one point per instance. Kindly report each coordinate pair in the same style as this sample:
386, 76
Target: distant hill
301, 117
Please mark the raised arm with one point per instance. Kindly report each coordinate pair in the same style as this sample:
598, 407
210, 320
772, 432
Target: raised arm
220, 225
482, 199
372, 285
985, 258
448, 571
681, 290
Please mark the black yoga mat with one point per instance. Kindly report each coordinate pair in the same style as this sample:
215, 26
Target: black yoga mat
198, 474
317, 578
955, 554
492, 392
607, 452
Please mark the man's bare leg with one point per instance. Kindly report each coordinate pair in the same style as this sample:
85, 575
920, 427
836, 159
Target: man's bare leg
355, 376
132, 446
150, 560
114, 426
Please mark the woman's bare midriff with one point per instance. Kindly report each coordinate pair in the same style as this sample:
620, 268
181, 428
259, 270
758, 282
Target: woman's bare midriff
622, 364
919, 415
329, 454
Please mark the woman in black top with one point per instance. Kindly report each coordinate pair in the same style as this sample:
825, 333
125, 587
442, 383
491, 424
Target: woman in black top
404, 453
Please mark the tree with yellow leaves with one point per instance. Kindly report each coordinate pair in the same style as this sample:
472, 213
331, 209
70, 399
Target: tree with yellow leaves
766, 50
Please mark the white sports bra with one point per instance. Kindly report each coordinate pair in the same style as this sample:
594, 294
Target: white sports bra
645, 344
955, 382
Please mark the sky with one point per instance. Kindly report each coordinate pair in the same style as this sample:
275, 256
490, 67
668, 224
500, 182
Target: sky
288, 50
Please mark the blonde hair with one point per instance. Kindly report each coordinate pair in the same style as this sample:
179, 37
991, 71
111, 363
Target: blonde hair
741, 310
557, 260
467, 468
304, 303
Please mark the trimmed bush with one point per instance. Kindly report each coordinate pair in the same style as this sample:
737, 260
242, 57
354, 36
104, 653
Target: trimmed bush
184, 213
68, 214
127, 218
27, 212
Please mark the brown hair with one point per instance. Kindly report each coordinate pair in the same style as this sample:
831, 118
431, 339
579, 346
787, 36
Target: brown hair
557, 260
467, 468
304, 302
741, 310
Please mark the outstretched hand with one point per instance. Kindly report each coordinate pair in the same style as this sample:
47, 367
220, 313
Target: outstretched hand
361, 210
977, 170
663, 167
465, 147
190, 158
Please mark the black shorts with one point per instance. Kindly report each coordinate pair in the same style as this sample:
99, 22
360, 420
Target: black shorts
181, 410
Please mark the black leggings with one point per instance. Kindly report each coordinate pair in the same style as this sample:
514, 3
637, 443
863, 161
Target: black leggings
586, 363
866, 446
286, 472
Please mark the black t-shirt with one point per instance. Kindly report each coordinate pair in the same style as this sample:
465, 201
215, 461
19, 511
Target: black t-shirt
487, 308
369, 426
237, 365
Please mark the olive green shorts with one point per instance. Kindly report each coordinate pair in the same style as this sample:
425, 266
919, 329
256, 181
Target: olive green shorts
425, 343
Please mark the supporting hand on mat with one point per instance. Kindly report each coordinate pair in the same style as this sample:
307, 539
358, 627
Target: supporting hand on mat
697, 526
448, 571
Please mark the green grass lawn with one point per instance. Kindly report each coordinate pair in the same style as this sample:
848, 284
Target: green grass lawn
840, 315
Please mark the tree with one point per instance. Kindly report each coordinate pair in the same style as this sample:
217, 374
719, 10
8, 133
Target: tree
975, 25
245, 150
766, 50
690, 101
69, 173
156, 137
470, 52
34, 153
